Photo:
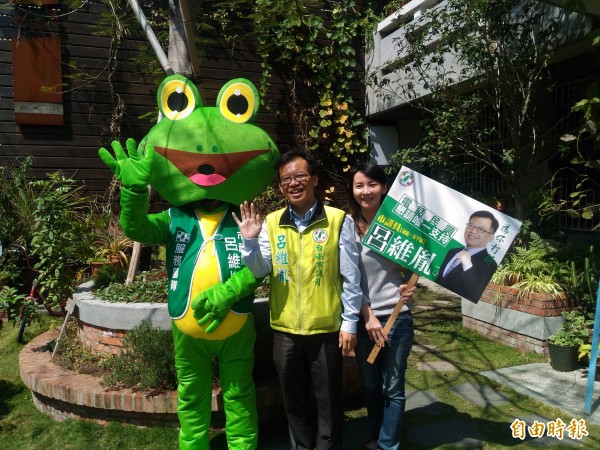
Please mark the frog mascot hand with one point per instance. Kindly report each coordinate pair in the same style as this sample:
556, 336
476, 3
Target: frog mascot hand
203, 161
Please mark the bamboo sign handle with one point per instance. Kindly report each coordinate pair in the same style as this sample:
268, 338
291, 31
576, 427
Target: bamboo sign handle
388, 326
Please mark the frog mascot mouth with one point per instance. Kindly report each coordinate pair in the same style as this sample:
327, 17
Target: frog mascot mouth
205, 161
207, 170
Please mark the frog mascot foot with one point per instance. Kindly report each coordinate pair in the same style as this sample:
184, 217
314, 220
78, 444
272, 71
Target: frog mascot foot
203, 161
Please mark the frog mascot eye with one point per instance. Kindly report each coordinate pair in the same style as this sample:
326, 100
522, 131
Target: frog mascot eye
177, 98
238, 101
204, 161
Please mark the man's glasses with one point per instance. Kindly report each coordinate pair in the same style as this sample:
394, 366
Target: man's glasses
470, 226
300, 178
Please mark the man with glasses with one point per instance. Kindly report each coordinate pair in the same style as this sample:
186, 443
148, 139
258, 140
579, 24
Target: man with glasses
467, 271
309, 251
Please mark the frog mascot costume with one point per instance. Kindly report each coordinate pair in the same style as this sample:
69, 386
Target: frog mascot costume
203, 161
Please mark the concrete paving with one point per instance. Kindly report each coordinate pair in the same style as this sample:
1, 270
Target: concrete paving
565, 390
483, 396
418, 348
436, 366
425, 308
441, 302
423, 402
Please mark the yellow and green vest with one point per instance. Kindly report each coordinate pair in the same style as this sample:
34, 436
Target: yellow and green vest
204, 250
306, 284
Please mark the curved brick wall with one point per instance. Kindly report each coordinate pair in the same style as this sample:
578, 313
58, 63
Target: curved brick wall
61, 393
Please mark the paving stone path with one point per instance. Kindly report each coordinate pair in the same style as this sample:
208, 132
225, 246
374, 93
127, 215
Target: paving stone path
457, 433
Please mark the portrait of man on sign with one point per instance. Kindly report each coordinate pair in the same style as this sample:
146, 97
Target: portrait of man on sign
466, 271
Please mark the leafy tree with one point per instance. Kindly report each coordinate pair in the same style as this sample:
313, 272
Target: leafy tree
584, 167
502, 48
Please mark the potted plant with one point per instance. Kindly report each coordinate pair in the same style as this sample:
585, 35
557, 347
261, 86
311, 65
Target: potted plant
564, 343
585, 351
113, 247
111, 244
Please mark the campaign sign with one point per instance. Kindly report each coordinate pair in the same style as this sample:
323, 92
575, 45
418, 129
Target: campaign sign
441, 234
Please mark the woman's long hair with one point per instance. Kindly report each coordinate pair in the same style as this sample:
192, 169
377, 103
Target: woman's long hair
372, 171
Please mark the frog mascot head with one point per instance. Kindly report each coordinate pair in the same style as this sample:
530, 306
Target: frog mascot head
204, 161
209, 153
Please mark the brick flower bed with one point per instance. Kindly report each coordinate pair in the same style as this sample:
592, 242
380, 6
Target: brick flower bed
521, 322
63, 394
543, 305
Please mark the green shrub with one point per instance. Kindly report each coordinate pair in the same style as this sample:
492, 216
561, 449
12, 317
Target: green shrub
13, 268
17, 214
107, 274
576, 329
42, 226
533, 267
61, 241
148, 287
147, 362
74, 355
11, 303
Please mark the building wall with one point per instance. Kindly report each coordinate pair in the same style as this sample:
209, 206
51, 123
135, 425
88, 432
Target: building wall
73, 147
391, 34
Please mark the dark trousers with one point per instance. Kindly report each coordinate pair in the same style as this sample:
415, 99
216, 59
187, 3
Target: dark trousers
310, 375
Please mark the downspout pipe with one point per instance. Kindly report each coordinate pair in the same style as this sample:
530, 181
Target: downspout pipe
160, 54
